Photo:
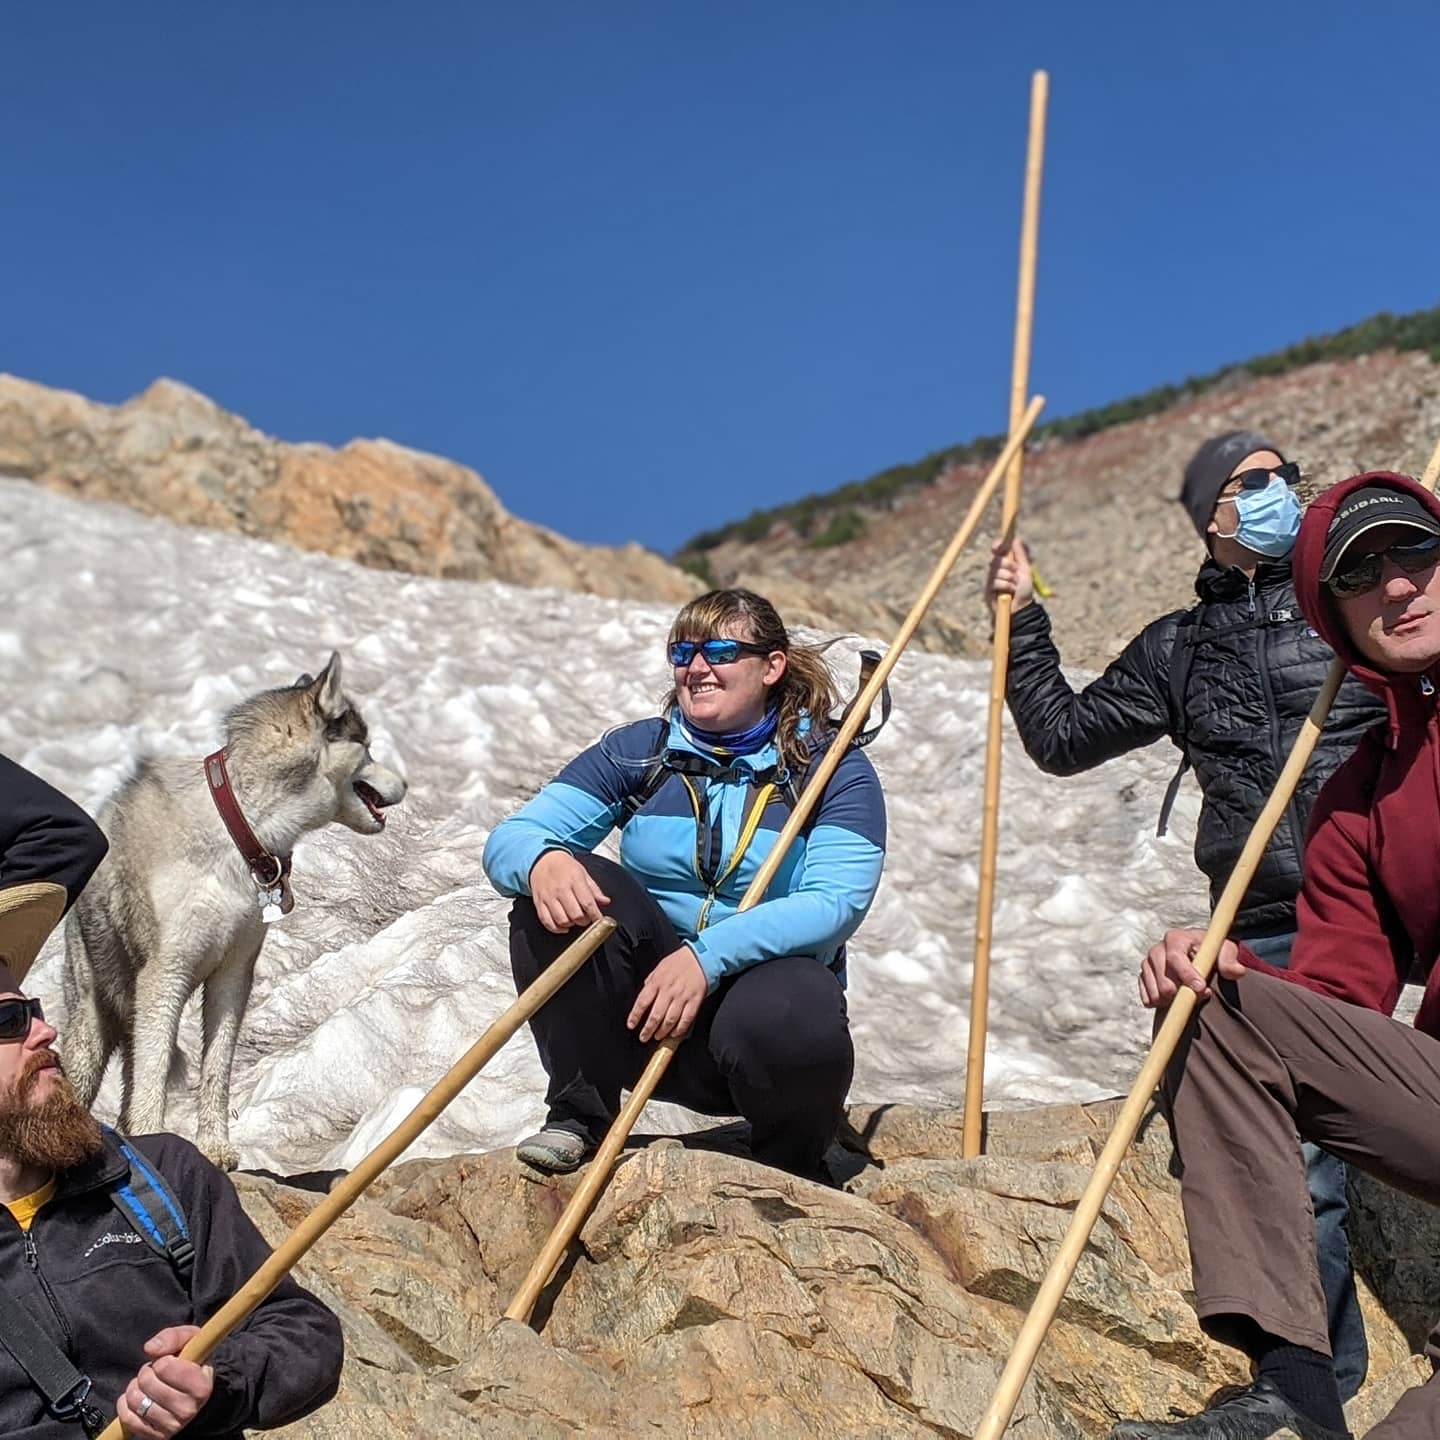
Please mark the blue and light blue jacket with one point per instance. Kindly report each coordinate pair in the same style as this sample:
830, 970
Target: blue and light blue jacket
692, 823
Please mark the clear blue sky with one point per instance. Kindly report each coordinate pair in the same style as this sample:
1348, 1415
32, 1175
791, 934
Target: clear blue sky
649, 266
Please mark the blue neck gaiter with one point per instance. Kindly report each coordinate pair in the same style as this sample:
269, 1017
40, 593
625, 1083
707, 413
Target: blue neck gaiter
735, 742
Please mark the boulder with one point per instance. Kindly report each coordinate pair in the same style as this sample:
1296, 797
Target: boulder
711, 1296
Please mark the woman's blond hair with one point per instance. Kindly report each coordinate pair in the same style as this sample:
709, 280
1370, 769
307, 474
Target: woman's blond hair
804, 690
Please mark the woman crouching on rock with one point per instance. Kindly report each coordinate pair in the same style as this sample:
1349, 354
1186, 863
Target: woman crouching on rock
700, 795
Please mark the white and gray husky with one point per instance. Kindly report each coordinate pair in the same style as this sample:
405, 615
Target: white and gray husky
176, 905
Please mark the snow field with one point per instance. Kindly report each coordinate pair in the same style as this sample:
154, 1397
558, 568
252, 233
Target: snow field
122, 635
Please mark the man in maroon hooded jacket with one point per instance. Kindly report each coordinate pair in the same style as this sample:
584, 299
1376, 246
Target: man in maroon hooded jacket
1311, 1051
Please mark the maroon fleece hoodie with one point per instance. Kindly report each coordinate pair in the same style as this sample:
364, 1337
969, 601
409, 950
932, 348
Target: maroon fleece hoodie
1370, 902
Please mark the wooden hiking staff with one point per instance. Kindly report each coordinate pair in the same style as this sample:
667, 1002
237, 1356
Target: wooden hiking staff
973, 1114
1167, 1038
573, 1216
347, 1191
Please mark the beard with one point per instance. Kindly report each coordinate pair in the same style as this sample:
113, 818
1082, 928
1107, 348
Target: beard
55, 1133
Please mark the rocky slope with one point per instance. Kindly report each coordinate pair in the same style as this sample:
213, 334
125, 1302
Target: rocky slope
710, 1296
171, 452
1100, 513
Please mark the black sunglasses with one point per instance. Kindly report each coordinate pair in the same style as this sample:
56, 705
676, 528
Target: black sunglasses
1289, 472
16, 1015
716, 652
1364, 574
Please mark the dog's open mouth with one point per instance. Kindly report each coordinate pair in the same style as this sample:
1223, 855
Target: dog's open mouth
374, 802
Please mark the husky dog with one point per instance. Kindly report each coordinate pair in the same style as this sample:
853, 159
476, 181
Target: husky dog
175, 905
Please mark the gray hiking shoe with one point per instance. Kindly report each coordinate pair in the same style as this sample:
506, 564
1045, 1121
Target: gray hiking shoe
556, 1152
1250, 1412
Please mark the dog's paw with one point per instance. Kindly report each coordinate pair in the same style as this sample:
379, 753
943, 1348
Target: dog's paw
220, 1153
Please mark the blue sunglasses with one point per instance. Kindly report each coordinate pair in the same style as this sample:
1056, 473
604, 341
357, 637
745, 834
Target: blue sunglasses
716, 652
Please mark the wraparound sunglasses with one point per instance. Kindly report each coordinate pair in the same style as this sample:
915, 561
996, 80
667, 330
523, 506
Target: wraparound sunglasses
1365, 573
716, 652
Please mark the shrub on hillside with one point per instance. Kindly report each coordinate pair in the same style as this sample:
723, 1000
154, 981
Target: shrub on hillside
845, 525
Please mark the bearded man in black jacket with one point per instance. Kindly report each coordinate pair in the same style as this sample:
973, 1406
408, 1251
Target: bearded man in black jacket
93, 1297
1230, 681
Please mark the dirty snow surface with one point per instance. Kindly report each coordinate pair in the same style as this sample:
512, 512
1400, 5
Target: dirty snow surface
122, 635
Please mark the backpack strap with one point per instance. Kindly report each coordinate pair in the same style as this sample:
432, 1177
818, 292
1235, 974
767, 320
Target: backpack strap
653, 778
1182, 662
1189, 636
65, 1390
147, 1202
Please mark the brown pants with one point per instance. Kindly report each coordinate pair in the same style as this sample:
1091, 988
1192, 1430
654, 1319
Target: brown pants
1263, 1065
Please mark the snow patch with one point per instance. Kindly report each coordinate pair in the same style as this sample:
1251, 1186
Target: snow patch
124, 635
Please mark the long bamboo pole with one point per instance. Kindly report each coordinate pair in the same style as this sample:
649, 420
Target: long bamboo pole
1052, 1289
347, 1191
573, 1216
1000, 646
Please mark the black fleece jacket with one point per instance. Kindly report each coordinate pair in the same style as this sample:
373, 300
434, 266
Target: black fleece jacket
1255, 670
100, 1292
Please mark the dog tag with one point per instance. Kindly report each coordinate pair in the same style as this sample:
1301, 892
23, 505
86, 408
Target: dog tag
269, 902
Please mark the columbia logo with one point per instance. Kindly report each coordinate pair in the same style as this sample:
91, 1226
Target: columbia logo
113, 1237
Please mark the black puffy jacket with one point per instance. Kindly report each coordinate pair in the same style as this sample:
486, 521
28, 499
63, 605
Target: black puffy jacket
1253, 674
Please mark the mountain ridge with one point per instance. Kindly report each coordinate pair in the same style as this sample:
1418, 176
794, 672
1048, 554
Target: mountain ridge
1416, 330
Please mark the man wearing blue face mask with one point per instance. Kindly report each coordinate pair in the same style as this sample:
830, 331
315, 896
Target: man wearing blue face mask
1259, 502
1230, 681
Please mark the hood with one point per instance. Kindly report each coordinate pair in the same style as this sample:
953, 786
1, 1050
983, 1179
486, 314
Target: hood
1316, 602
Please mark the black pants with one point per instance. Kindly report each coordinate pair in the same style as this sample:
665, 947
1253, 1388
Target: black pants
771, 1044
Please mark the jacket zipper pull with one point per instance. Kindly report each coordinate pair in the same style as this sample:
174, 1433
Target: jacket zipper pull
32, 1258
1427, 686
1250, 585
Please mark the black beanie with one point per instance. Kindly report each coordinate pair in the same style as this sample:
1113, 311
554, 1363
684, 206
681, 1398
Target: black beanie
1210, 468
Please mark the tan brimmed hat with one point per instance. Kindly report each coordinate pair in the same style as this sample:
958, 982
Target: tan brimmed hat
28, 913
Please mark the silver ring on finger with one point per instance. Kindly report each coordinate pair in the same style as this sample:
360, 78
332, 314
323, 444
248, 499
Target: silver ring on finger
143, 1408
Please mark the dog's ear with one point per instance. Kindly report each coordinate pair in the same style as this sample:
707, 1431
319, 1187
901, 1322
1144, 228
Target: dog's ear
329, 697
304, 682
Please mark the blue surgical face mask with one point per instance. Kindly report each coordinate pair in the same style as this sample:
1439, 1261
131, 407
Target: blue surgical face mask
1269, 520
